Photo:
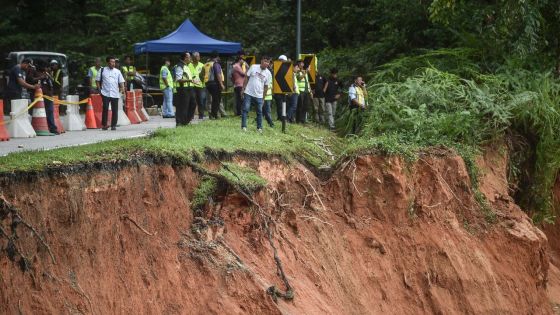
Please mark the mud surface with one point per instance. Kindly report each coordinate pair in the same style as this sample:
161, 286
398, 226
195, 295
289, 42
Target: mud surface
378, 237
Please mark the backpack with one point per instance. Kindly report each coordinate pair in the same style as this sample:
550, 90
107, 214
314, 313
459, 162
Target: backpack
101, 78
209, 75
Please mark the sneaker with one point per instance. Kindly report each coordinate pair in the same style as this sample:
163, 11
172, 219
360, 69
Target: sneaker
259, 130
244, 129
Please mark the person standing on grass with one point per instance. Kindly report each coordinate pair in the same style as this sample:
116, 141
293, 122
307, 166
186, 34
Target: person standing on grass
280, 98
305, 95
214, 78
186, 102
267, 106
110, 82
319, 99
238, 79
166, 86
197, 68
332, 94
357, 95
257, 81
293, 98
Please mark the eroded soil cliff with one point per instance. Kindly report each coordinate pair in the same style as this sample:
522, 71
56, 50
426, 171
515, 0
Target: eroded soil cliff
378, 236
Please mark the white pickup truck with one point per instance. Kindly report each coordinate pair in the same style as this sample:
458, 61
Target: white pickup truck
16, 57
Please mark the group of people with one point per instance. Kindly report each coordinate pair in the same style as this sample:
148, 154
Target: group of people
253, 85
24, 78
190, 85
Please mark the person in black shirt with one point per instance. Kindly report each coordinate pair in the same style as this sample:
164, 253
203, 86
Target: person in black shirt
332, 90
319, 99
41, 76
16, 84
47, 83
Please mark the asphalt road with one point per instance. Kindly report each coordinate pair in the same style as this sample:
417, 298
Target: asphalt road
74, 138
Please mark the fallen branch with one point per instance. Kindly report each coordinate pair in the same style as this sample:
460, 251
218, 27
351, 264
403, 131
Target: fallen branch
137, 225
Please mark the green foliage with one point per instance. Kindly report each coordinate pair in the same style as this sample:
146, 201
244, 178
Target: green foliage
419, 105
206, 189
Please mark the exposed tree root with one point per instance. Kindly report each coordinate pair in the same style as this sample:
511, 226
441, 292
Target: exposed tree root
6, 208
125, 216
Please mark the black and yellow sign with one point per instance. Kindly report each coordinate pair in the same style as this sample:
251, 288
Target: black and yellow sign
310, 62
283, 77
250, 60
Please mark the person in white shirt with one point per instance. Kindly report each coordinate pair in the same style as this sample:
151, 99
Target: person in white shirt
110, 82
257, 81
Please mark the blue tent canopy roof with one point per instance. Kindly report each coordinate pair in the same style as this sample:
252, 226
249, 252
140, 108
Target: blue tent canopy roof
186, 38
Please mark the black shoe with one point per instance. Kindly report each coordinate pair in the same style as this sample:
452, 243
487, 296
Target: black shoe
113, 128
105, 128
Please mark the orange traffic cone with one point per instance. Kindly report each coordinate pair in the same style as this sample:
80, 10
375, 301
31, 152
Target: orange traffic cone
97, 108
4, 136
90, 116
39, 119
57, 121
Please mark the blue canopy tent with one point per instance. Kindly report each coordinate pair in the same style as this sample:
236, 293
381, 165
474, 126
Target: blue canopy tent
187, 38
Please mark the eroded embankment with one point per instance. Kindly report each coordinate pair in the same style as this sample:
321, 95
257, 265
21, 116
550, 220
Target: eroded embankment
378, 237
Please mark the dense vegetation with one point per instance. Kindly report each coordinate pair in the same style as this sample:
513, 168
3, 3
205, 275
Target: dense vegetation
441, 72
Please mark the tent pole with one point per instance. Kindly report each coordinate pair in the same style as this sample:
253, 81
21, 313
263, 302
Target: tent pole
147, 64
225, 85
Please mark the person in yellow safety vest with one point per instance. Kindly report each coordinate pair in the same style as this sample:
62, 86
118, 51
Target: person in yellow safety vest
57, 77
357, 95
92, 74
166, 87
185, 94
129, 71
268, 105
197, 69
305, 95
292, 100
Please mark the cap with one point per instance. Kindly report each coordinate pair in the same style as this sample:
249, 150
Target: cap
283, 58
54, 61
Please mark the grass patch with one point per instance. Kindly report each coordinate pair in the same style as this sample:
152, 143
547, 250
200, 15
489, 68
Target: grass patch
242, 177
206, 188
185, 142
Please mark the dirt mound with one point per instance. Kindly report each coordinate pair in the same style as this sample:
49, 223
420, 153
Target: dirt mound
379, 236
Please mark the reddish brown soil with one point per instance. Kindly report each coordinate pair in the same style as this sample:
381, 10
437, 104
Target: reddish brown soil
378, 237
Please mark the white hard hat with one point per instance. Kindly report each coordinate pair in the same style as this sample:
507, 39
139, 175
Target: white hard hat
283, 58
54, 61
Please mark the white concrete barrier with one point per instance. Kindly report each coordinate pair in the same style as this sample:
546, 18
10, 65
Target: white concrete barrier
73, 121
123, 119
20, 124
